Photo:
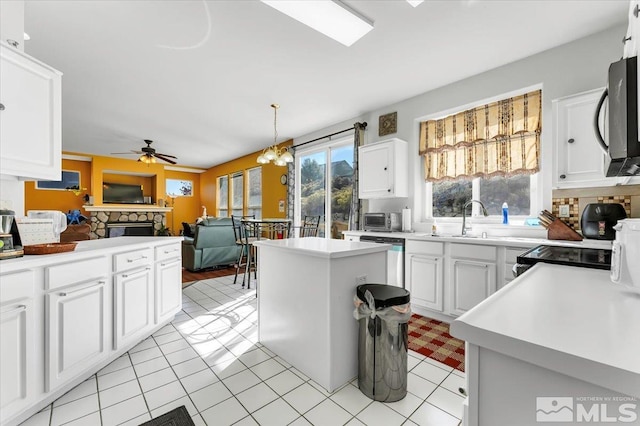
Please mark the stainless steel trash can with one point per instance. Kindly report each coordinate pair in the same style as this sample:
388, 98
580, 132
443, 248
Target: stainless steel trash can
382, 343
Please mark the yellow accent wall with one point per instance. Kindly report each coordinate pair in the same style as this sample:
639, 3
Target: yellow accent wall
272, 190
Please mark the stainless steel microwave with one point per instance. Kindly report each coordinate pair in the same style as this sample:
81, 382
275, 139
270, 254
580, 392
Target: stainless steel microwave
383, 222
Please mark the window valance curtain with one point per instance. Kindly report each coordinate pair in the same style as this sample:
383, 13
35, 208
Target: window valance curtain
500, 138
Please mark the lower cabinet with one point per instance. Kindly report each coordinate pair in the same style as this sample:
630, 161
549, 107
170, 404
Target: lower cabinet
425, 275
133, 304
168, 296
470, 282
16, 356
76, 335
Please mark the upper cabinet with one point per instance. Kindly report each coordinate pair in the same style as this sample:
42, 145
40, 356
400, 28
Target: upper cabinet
383, 169
579, 161
30, 117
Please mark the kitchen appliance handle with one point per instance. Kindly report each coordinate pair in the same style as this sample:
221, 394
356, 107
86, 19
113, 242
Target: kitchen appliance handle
596, 125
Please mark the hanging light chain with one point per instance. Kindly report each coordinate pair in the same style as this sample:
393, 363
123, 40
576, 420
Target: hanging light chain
275, 123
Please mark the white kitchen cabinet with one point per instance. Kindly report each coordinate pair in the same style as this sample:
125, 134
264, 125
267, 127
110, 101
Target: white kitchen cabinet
133, 305
168, 296
77, 331
30, 117
579, 160
16, 356
471, 276
632, 41
471, 282
383, 169
425, 275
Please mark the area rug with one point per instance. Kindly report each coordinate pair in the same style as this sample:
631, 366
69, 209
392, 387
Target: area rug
431, 338
176, 417
188, 276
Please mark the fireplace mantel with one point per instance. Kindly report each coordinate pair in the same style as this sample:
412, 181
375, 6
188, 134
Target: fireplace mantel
127, 208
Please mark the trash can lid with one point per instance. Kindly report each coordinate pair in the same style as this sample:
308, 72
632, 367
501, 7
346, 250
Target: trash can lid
384, 295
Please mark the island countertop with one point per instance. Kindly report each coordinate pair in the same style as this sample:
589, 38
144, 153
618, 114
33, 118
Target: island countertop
323, 247
571, 320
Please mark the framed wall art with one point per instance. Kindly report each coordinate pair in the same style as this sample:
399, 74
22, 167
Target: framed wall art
388, 124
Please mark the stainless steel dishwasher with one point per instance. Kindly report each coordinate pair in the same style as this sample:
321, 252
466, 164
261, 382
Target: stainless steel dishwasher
395, 257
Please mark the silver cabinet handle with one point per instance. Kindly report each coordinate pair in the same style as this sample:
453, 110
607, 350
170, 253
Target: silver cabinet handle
136, 273
171, 251
18, 308
169, 263
136, 259
1, 107
64, 294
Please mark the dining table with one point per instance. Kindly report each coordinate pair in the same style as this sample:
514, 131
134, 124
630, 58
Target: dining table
259, 229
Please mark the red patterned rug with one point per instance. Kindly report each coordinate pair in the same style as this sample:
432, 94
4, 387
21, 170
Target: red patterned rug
431, 338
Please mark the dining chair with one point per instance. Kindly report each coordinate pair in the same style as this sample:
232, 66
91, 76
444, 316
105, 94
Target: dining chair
238, 232
310, 226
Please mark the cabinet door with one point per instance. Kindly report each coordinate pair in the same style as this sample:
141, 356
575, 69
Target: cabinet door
133, 305
580, 161
470, 283
375, 176
16, 357
76, 333
30, 95
168, 289
425, 279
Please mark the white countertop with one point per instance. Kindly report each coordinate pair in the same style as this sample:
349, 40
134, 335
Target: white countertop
571, 320
490, 240
323, 247
85, 249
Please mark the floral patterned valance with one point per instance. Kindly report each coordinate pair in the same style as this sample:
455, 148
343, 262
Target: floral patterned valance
500, 138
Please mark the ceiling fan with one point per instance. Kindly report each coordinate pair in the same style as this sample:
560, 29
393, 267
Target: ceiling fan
148, 155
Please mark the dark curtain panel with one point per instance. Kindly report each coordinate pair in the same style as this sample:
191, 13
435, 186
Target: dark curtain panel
356, 206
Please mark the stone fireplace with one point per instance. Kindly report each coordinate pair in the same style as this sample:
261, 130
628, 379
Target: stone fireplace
119, 220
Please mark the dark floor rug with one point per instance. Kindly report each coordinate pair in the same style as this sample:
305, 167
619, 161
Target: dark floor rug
431, 338
176, 417
189, 277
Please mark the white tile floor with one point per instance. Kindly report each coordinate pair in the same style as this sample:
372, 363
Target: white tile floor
209, 360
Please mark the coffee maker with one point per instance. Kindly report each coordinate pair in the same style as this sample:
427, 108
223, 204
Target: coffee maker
10, 242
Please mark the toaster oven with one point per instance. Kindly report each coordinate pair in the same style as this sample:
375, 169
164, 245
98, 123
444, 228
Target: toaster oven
382, 222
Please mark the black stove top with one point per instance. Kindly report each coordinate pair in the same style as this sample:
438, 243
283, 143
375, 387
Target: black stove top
571, 256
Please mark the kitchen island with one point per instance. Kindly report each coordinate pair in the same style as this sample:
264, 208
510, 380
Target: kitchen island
305, 291
67, 315
556, 333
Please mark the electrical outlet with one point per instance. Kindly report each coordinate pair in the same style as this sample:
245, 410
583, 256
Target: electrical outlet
563, 210
361, 279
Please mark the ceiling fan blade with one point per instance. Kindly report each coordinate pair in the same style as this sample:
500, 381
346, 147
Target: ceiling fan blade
162, 157
130, 152
166, 155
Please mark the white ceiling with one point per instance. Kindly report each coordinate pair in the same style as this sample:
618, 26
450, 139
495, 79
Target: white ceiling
197, 77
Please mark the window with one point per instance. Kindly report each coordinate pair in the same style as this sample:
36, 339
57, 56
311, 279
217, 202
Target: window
324, 178
179, 188
254, 192
223, 196
237, 194
70, 181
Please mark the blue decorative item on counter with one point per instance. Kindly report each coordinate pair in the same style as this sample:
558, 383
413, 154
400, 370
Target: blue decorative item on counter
505, 214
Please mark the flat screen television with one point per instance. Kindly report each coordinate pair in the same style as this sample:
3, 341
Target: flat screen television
120, 193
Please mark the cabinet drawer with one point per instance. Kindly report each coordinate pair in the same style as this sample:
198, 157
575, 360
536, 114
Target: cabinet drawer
17, 285
473, 251
425, 247
131, 259
511, 253
167, 251
75, 272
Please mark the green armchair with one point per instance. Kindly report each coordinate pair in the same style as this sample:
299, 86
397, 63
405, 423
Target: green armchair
213, 244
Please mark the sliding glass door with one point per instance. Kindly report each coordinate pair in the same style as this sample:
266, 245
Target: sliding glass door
324, 186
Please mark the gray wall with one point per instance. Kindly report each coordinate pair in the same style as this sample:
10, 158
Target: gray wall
566, 70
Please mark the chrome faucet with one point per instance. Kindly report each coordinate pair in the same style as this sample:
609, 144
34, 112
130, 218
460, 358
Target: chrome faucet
464, 213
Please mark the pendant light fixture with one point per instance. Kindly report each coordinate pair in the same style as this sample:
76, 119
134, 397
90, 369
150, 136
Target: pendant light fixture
279, 156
